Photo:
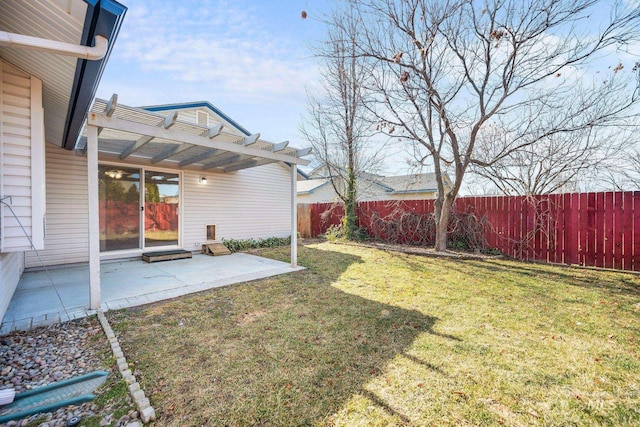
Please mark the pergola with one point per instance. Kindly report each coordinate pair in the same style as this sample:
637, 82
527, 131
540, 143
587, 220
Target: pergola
122, 133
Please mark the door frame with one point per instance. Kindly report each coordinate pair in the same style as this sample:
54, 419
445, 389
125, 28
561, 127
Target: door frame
141, 248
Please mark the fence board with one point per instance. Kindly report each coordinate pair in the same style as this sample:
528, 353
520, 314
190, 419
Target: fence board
304, 220
598, 238
607, 236
570, 229
627, 233
618, 230
636, 231
591, 229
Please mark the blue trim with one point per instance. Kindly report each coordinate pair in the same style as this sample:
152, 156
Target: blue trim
103, 18
311, 191
197, 104
304, 175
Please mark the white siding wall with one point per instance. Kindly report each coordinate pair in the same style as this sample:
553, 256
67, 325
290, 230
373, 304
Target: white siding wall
11, 267
191, 116
324, 194
21, 159
251, 203
66, 239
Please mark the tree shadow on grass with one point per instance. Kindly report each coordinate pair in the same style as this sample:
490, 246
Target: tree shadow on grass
289, 350
609, 282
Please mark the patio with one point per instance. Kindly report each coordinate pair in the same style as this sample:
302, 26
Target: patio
62, 294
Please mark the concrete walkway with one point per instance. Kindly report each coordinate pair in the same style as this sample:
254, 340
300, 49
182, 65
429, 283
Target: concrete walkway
38, 302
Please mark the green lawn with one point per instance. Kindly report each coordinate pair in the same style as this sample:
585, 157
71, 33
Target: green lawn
367, 337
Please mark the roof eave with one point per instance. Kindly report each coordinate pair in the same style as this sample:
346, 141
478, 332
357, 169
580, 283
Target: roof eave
103, 18
197, 104
424, 190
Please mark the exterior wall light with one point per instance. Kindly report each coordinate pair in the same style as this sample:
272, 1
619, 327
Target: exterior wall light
203, 180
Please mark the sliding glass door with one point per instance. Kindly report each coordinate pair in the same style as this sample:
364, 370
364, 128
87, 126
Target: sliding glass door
119, 200
130, 219
161, 207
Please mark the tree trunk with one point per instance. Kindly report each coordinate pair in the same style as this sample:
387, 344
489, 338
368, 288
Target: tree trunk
350, 207
442, 223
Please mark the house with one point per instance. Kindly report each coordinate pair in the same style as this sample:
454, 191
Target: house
370, 187
84, 180
48, 76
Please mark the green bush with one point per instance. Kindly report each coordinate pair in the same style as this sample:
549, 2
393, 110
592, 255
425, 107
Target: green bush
336, 232
244, 244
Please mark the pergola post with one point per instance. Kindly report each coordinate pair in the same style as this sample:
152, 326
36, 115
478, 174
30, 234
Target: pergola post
294, 215
94, 217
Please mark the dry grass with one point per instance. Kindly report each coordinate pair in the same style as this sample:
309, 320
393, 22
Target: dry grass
367, 337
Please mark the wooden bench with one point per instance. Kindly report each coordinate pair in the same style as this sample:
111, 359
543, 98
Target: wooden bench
166, 255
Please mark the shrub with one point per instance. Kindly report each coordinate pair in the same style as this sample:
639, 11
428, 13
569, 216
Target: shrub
336, 232
237, 245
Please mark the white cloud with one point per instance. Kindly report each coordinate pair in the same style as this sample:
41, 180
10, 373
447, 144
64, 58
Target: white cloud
217, 45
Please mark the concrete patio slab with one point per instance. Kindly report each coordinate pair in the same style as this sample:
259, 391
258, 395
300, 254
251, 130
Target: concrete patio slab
61, 294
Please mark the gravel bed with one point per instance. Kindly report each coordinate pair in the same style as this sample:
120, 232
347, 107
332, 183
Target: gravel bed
44, 355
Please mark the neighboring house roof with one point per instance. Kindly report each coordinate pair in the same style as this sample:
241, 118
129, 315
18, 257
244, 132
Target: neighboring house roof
69, 84
308, 186
400, 184
413, 183
197, 104
302, 174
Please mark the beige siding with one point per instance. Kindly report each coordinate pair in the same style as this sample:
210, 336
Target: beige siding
66, 239
251, 203
190, 116
20, 139
11, 267
324, 194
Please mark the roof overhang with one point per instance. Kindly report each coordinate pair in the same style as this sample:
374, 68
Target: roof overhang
311, 188
103, 18
133, 135
197, 104
69, 84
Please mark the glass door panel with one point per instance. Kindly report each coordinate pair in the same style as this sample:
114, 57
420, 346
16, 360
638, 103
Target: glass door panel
161, 207
119, 200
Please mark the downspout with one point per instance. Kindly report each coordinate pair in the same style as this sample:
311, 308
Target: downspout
51, 46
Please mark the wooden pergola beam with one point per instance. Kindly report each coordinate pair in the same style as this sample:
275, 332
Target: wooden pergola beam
280, 146
200, 157
211, 133
169, 121
111, 105
223, 161
303, 151
250, 140
215, 131
247, 164
101, 120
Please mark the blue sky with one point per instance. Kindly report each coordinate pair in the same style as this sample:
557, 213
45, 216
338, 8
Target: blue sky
249, 58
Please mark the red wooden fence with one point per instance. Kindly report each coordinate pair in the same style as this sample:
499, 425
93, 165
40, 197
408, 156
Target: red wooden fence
123, 217
590, 229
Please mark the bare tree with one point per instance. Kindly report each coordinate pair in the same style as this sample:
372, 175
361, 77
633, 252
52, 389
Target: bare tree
558, 163
448, 73
338, 125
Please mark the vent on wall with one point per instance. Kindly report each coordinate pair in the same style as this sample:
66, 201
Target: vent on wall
211, 232
203, 118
